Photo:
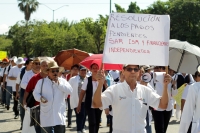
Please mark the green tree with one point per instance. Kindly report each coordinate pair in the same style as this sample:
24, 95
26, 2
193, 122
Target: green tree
133, 8
158, 7
28, 7
119, 9
185, 16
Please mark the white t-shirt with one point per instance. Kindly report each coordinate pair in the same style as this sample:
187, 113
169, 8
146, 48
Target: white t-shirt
14, 71
18, 81
27, 76
94, 84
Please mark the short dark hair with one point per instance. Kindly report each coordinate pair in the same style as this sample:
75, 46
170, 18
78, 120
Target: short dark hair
196, 74
28, 61
93, 65
76, 65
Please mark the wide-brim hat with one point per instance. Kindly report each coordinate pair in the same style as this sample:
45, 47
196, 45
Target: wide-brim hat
14, 58
53, 64
20, 61
147, 67
36, 59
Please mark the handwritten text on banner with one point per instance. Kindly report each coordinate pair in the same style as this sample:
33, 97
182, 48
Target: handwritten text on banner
141, 39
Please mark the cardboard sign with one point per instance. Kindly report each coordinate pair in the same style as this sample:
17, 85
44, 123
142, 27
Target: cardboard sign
141, 39
3, 54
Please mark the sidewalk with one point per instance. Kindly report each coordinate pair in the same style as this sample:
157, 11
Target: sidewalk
10, 125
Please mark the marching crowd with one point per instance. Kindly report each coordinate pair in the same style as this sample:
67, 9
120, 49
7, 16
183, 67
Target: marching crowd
131, 98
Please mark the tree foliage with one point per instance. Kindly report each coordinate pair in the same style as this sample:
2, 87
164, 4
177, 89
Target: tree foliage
39, 38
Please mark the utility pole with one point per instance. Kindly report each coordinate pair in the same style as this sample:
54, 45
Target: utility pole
110, 6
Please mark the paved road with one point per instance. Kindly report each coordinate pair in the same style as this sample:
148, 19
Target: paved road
10, 125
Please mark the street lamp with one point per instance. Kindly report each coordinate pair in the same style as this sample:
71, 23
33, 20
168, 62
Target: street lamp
53, 9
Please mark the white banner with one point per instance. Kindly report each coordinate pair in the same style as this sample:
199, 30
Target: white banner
141, 39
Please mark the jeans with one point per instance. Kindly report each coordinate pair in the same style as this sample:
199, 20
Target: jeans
81, 118
8, 95
15, 108
38, 129
108, 119
161, 120
3, 96
22, 111
54, 129
69, 112
94, 116
148, 126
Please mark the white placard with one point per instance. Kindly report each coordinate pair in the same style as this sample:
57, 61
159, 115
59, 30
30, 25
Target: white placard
141, 39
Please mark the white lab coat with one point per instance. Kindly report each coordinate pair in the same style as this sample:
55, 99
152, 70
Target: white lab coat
52, 113
191, 110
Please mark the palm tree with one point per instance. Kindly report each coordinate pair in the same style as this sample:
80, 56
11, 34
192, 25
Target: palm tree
28, 7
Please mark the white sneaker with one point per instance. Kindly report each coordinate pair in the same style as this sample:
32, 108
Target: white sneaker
83, 131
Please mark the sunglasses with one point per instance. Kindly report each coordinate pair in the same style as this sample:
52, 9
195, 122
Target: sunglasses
129, 69
53, 71
37, 63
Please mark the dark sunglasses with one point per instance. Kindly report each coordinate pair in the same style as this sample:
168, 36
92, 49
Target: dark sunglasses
53, 71
131, 69
37, 63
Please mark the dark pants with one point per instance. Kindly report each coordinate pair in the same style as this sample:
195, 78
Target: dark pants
8, 95
54, 129
80, 118
148, 126
111, 123
38, 129
15, 108
190, 128
3, 96
69, 112
161, 120
108, 119
94, 116
22, 111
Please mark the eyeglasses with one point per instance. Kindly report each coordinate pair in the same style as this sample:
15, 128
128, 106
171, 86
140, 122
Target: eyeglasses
53, 71
131, 69
37, 63
83, 70
198, 75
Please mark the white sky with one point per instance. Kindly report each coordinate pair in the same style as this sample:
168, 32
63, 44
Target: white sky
76, 10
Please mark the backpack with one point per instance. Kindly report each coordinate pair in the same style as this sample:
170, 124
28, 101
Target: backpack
22, 73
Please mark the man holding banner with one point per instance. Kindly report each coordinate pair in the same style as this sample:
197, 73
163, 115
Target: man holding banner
134, 39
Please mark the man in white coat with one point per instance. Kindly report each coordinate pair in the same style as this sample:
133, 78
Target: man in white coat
51, 94
191, 110
76, 82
